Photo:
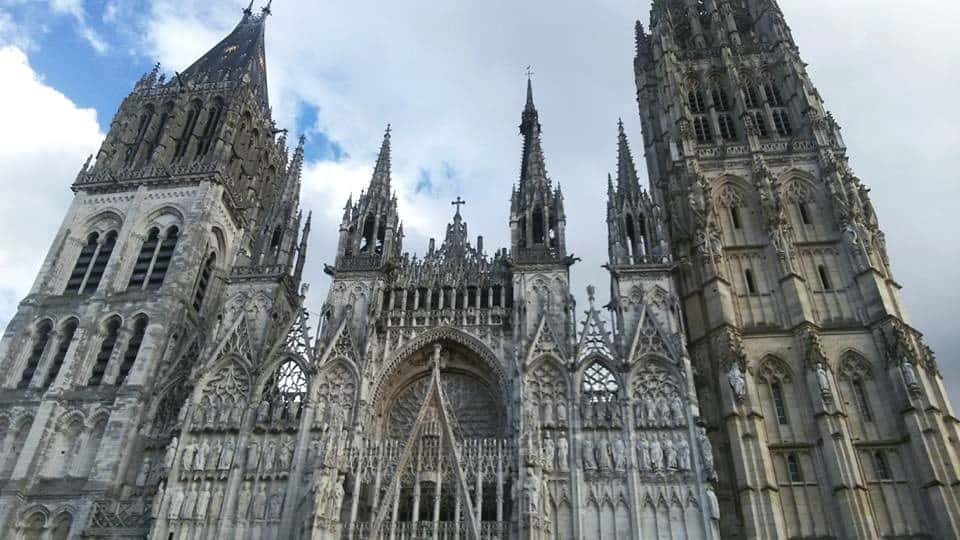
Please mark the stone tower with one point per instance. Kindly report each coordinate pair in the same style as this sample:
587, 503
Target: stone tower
827, 410
188, 215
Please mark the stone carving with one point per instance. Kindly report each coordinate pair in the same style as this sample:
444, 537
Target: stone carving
656, 454
203, 503
619, 455
603, 455
171, 454
243, 505
176, 501
549, 455
260, 503
563, 454
589, 459
706, 453
253, 456
562, 413
823, 381
643, 453
738, 382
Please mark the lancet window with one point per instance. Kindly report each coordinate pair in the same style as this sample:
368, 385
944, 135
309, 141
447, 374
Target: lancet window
203, 282
40, 339
67, 332
210, 128
91, 263
111, 334
880, 466
142, 126
288, 387
154, 259
133, 348
794, 470
183, 143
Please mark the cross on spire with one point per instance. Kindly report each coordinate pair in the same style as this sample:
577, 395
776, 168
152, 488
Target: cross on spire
458, 203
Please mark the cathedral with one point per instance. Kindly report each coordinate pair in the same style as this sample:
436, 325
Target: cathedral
754, 375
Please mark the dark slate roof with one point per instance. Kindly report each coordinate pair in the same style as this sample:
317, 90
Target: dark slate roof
239, 57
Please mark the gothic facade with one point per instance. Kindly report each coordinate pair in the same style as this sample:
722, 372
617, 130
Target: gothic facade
753, 375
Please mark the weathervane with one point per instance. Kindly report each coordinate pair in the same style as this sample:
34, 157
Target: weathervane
530, 72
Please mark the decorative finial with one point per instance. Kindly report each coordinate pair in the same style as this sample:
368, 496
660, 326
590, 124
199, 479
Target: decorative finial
266, 9
591, 294
249, 9
529, 72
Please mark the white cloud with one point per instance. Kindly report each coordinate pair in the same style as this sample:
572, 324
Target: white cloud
46, 140
13, 33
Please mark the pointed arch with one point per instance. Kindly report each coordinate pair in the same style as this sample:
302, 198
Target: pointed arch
63, 446
40, 339
110, 330
66, 334
335, 391
854, 366
772, 368
599, 382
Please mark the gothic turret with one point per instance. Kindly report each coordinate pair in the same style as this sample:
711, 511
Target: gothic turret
370, 234
537, 219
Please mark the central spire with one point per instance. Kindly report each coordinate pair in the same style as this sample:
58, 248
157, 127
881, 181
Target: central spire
532, 168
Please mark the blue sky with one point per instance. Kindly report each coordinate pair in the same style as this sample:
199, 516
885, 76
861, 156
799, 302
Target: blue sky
449, 77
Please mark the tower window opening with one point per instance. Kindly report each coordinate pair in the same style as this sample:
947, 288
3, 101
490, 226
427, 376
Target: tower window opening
752, 97
538, 226
40, 339
348, 249
779, 404
631, 236
727, 130
824, 278
720, 99
701, 126
497, 296
106, 351
781, 120
183, 142
435, 299
161, 129
751, 282
735, 217
472, 297
381, 238
66, 337
79, 274
133, 349
880, 466
203, 282
366, 241
275, 239
794, 470
863, 404
552, 235
210, 129
457, 298
695, 97
99, 264
141, 268
804, 212
773, 95
761, 124
142, 127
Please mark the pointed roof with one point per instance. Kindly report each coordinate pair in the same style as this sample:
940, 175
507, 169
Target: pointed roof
381, 173
533, 168
239, 57
627, 180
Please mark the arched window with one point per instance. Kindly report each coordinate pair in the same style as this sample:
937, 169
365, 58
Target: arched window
91, 264
61, 527
33, 527
66, 338
880, 466
40, 339
106, 350
188, 126
381, 238
275, 239
735, 217
288, 386
599, 384
697, 104
141, 269
728, 131
720, 99
794, 470
203, 282
133, 348
210, 128
752, 97
804, 212
701, 126
781, 121
161, 260
366, 241
779, 404
863, 404
552, 234
773, 94
161, 129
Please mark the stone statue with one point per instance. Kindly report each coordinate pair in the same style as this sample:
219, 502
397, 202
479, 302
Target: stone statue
822, 380
276, 504
713, 504
216, 503
670, 454
638, 413
909, 376
277, 413
683, 453
589, 459
643, 453
171, 454
549, 455
656, 454
706, 452
156, 503
738, 383
548, 413
200, 463
664, 405
214, 459
236, 416
263, 413
144, 472
253, 456
176, 501
189, 505
619, 455
286, 456
563, 454
269, 456
561, 413
225, 409
243, 507
603, 454
651, 408
199, 416
203, 503
260, 503
531, 488
676, 410
295, 412
226, 458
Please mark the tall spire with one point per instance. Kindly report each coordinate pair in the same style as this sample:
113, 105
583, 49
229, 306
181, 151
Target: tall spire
381, 173
532, 167
627, 180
